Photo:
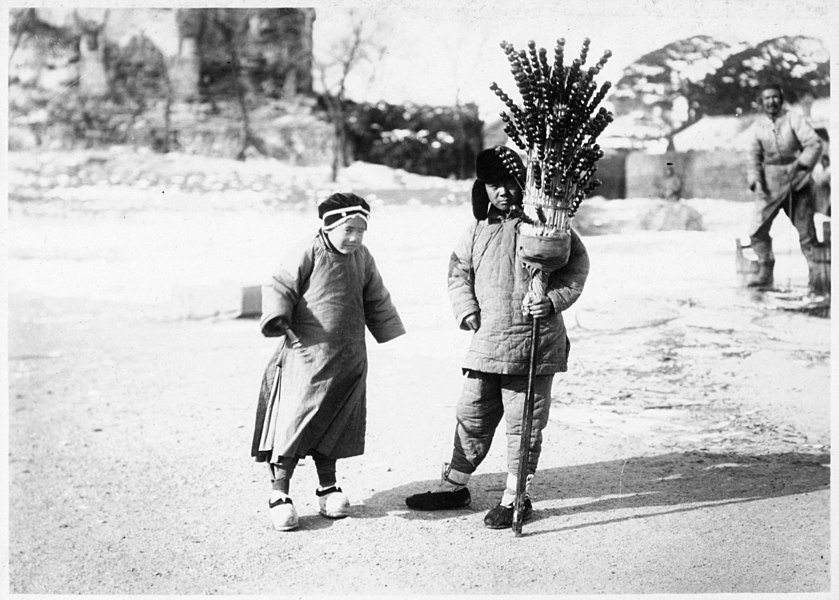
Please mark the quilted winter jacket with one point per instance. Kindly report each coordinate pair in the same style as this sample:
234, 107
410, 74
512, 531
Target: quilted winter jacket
788, 139
776, 148
485, 278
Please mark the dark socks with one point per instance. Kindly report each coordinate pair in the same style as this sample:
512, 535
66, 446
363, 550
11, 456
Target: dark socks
326, 471
281, 473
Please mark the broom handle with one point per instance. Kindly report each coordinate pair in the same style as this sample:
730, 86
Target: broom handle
269, 425
526, 428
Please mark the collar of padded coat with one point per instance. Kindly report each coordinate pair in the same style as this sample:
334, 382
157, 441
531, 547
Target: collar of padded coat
496, 216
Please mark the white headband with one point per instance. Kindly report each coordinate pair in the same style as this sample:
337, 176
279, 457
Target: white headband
344, 214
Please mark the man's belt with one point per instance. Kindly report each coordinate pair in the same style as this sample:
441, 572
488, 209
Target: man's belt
779, 161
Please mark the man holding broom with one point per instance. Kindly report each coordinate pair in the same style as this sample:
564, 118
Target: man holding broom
488, 288
783, 152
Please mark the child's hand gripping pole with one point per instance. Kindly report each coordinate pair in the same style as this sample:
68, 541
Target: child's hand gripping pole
538, 287
295, 344
269, 424
293, 340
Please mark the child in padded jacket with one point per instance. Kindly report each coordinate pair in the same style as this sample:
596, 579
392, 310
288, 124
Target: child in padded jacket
488, 288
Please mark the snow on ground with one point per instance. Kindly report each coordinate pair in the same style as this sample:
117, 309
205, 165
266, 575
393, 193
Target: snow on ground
117, 243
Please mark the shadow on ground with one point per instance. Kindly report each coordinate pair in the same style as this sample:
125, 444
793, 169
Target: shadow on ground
675, 482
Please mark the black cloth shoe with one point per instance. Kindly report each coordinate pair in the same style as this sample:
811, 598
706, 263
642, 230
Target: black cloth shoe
501, 517
440, 500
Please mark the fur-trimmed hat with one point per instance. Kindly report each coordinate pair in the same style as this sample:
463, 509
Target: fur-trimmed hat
491, 166
340, 207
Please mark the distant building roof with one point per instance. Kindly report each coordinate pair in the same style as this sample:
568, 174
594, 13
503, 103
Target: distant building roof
633, 132
711, 133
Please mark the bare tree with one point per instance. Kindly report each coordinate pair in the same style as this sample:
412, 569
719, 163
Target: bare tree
93, 79
185, 66
232, 23
20, 21
456, 51
358, 47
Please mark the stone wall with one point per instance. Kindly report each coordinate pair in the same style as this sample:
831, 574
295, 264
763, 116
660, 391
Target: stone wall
611, 170
296, 136
291, 132
705, 174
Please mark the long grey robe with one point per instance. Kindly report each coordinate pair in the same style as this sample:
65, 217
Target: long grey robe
327, 298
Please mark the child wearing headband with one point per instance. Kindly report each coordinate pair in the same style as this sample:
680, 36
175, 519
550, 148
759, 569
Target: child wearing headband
313, 396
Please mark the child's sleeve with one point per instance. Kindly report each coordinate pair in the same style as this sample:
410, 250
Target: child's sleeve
281, 293
566, 284
461, 278
380, 314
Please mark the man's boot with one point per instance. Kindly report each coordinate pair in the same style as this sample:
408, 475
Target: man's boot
818, 264
764, 277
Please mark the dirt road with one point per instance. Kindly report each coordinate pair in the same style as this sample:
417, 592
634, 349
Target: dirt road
688, 449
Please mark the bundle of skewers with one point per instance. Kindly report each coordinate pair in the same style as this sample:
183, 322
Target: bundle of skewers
556, 127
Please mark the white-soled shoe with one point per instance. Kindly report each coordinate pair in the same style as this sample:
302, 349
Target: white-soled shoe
283, 513
333, 502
